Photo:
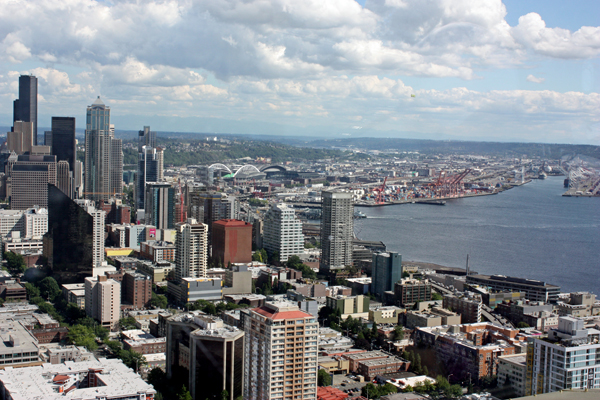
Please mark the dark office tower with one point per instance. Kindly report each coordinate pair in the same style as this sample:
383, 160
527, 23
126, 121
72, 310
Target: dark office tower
48, 139
147, 172
116, 166
69, 242
25, 107
160, 205
387, 270
337, 230
146, 138
63, 140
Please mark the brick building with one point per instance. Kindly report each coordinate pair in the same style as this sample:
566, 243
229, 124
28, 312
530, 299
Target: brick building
157, 251
409, 291
371, 368
469, 306
232, 241
136, 290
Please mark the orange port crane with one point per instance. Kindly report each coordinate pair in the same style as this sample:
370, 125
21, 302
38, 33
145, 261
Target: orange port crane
381, 192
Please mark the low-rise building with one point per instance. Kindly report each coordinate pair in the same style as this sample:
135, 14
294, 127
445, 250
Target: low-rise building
433, 317
371, 368
470, 349
59, 355
579, 304
143, 342
386, 315
355, 306
468, 305
84, 380
18, 346
74, 293
512, 370
356, 358
188, 290
12, 291
156, 251
158, 271
533, 289
409, 291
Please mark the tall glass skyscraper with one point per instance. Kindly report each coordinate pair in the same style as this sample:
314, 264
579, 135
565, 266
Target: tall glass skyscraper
103, 155
25, 107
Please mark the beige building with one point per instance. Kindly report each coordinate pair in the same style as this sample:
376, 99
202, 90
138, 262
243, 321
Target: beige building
386, 315
21, 139
579, 304
281, 353
103, 300
355, 306
512, 370
434, 317
158, 271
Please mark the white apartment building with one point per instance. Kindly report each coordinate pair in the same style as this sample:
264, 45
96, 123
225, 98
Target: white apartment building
512, 370
103, 300
282, 232
99, 221
280, 353
29, 223
568, 359
191, 253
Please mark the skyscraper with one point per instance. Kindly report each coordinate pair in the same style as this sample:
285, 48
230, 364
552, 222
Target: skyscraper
146, 137
160, 205
30, 176
25, 107
69, 242
20, 138
63, 140
64, 178
147, 172
99, 221
387, 270
282, 232
337, 230
280, 353
192, 250
103, 155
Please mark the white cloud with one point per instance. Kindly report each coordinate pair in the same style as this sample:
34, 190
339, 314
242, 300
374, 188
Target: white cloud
531, 78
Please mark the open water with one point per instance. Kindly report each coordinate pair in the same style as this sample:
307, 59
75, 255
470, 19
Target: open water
529, 231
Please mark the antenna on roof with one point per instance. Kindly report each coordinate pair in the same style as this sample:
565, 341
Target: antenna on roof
468, 265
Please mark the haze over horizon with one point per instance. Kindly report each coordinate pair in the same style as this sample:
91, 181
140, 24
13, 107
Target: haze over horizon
447, 70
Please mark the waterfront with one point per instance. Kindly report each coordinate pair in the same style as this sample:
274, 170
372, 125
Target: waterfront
531, 231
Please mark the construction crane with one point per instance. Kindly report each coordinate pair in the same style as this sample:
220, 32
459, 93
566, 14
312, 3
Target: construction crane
449, 186
381, 192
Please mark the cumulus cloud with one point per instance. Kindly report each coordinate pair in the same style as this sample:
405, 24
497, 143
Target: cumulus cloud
534, 79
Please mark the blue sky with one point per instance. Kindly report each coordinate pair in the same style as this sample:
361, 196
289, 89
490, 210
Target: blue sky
485, 70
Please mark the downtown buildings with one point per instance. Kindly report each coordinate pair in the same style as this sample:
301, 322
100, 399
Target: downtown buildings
25, 107
387, 270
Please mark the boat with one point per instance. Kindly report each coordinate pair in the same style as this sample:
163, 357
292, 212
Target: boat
359, 214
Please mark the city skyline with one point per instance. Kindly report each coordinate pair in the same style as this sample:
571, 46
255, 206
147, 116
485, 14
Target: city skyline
501, 71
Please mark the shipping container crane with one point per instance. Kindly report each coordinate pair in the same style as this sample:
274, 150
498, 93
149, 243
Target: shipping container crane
379, 199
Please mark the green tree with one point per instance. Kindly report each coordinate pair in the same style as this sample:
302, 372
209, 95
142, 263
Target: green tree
159, 301
436, 296
370, 391
132, 359
114, 346
127, 323
408, 389
49, 288
522, 324
324, 378
399, 332
32, 290
14, 262
184, 394
453, 392
80, 335
224, 395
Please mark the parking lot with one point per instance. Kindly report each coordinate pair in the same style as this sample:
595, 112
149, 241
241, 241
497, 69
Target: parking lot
348, 385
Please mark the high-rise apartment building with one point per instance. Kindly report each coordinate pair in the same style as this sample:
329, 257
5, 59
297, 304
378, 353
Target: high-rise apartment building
69, 242
63, 142
30, 223
192, 250
387, 270
25, 107
160, 205
146, 137
209, 207
20, 138
30, 176
567, 359
103, 300
103, 154
337, 230
147, 172
282, 232
280, 352
99, 220
160, 158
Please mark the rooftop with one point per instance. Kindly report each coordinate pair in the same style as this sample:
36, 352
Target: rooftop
40, 383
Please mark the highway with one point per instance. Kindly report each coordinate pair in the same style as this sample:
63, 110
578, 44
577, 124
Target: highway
485, 310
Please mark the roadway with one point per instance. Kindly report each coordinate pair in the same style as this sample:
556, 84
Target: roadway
486, 311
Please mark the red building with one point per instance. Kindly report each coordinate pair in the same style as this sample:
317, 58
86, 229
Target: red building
330, 393
232, 241
116, 212
136, 290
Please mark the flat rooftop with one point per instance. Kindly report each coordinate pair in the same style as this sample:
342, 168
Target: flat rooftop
38, 383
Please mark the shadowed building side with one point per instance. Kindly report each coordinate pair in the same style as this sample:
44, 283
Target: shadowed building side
68, 244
